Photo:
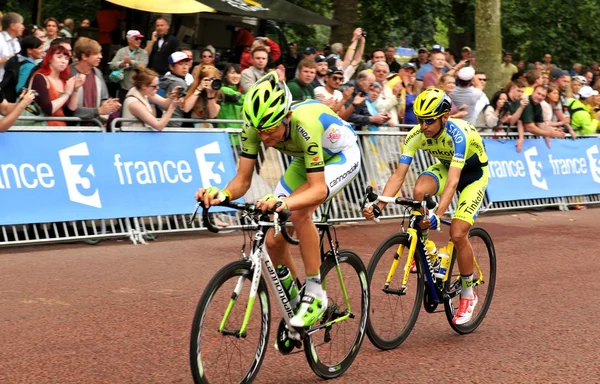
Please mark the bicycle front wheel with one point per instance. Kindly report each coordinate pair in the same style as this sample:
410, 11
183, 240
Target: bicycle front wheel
331, 350
484, 280
219, 352
394, 309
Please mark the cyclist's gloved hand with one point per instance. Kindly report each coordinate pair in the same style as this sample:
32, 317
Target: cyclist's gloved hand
213, 193
269, 201
434, 220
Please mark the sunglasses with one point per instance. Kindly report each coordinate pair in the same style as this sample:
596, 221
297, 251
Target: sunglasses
337, 78
427, 121
155, 86
207, 56
267, 131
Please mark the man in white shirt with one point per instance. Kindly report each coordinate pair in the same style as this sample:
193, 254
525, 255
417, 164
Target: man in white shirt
329, 93
12, 29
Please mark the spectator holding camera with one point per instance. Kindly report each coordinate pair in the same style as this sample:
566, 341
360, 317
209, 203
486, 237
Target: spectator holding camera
93, 100
495, 114
141, 101
12, 111
174, 81
203, 95
357, 107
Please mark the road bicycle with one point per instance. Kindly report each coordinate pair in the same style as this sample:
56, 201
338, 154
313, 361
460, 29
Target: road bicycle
396, 300
230, 331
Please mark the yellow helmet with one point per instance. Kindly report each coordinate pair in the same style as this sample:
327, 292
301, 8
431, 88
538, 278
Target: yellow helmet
432, 103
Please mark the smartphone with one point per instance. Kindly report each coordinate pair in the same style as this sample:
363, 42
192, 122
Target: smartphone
468, 63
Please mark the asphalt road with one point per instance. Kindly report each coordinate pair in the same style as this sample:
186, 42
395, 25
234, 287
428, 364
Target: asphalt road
119, 313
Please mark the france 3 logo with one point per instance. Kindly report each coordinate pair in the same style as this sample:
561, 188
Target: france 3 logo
80, 174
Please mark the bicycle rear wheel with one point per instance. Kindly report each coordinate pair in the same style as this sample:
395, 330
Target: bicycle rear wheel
227, 357
393, 311
331, 350
485, 257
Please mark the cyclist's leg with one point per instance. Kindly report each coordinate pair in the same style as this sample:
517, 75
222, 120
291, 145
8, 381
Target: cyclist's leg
469, 203
431, 181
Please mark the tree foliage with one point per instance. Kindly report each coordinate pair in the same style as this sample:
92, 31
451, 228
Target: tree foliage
59, 9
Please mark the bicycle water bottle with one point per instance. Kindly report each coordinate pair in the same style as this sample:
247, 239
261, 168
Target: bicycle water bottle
431, 250
444, 262
289, 285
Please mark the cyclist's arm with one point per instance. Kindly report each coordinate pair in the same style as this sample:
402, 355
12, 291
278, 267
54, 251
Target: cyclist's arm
239, 185
394, 183
314, 195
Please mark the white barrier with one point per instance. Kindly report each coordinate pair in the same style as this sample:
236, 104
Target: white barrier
380, 153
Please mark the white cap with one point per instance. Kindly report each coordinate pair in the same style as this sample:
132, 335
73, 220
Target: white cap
587, 91
581, 79
466, 73
134, 33
176, 57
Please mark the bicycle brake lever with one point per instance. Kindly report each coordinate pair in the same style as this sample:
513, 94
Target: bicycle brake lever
276, 226
194, 213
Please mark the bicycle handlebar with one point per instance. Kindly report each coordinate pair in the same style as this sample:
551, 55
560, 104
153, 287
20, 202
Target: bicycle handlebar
372, 197
279, 218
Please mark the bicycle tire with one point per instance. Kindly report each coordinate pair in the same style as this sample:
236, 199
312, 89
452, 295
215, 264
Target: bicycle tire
256, 329
489, 284
319, 362
379, 298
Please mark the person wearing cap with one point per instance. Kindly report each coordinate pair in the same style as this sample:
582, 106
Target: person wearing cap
422, 57
128, 59
93, 99
465, 93
322, 67
301, 86
466, 53
507, 69
329, 94
584, 120
179, 65
561, 80
310, 53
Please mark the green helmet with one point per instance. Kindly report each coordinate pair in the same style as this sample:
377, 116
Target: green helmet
267, 102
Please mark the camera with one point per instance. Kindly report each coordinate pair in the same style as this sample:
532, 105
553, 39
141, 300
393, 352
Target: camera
467, 63
215, 84
181, 92
364, 33
35, 93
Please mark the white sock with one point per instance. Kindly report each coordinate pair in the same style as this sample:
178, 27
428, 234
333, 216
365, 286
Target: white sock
314, 287
467, 286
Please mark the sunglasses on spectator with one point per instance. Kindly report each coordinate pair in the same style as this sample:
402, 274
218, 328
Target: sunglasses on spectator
427, 121
138, 39
337, 78
207, 56
155, 86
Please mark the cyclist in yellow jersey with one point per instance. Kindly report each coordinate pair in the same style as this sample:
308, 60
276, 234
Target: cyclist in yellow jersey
462, 167
326, 158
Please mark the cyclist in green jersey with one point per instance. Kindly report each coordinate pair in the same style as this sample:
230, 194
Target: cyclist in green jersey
462, 167
326, 158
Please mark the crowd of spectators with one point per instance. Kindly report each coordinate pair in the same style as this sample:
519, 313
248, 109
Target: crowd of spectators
51, 71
